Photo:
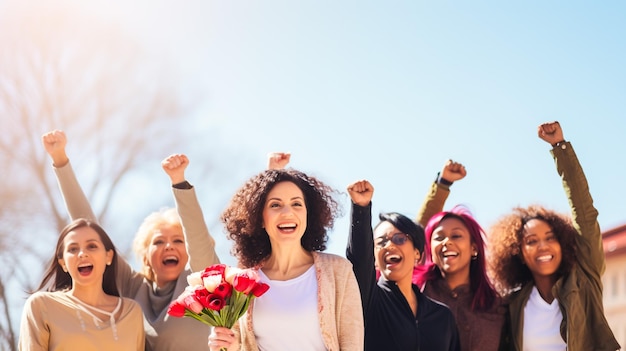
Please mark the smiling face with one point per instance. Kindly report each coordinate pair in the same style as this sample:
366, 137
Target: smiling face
451, 249
167, 254
395, 261
85, 257
285, 213
541, 250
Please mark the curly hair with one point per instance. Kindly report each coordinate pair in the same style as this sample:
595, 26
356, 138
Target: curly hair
164, 218
505, 240
243, 218
484, 293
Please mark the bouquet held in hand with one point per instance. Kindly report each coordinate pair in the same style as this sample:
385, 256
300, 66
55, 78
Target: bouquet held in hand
219, 295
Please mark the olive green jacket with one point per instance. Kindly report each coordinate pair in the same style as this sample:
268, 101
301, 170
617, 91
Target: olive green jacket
584, 326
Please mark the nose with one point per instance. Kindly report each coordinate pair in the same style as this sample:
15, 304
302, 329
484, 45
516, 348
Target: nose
82, 253
286, 210
168, 245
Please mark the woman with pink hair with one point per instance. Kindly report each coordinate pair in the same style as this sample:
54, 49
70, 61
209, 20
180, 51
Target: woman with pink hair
454, 270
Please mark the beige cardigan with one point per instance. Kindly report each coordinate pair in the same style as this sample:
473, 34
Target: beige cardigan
339, 307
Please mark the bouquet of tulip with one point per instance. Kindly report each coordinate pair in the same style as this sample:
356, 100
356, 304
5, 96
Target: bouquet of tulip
219, 295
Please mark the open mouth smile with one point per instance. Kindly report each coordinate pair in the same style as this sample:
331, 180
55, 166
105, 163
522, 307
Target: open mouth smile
85, 268
170, 261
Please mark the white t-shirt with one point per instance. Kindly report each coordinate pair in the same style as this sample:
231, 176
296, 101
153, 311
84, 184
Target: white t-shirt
286, 316
542, 323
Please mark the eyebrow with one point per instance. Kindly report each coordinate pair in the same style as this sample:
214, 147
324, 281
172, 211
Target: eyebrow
460, 227
161, 235
293, 198
88, 241
545, 233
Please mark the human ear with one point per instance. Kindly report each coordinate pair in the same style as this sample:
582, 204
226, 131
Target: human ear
110, 256
62, 264
474, 252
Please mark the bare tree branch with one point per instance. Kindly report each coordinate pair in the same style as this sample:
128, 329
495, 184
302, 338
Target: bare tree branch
116, 105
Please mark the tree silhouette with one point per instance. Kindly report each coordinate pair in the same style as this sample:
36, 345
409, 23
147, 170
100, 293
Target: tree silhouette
118, 105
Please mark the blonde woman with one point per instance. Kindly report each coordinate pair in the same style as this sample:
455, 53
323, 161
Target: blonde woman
169, 247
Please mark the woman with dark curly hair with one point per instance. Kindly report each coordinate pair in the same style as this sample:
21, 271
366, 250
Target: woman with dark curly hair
279, 221
552, 265
455, 266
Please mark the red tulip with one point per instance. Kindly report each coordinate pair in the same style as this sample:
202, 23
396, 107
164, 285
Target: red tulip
176, 309
215, 302
224, 290
260, 289
216, 269
192, 303
245, 281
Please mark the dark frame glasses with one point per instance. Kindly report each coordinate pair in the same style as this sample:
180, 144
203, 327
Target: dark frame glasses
397, 239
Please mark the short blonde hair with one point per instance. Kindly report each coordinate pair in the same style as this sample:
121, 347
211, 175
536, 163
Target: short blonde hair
166, 217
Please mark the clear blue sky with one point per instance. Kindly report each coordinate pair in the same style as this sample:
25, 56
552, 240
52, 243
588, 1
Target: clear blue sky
387, 91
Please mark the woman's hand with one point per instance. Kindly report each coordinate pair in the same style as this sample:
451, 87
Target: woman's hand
221, 338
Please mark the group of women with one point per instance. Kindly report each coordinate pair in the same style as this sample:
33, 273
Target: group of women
429, 284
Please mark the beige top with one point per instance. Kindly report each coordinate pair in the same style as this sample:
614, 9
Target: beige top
57, 321
163, 332
338, 304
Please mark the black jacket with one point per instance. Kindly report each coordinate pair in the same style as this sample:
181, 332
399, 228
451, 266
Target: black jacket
389, 321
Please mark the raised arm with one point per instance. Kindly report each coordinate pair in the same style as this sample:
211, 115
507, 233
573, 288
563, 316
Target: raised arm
440, 190
78, 206
584, 214
360, 247
199, 242
278, 160
75, 200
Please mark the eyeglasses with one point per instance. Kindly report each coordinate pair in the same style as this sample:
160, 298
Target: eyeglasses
397, 239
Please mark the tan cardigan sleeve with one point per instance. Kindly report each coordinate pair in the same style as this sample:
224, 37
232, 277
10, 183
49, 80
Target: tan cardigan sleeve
351, 328
200, 243
75, 200
341, 312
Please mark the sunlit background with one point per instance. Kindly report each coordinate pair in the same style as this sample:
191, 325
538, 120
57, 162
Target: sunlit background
384, 91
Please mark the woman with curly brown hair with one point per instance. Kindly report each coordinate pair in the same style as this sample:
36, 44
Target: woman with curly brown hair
552, 265
279, 221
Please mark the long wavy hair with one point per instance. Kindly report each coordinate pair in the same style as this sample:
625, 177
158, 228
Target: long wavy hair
55, 279
243, 218
505, 240
483, 291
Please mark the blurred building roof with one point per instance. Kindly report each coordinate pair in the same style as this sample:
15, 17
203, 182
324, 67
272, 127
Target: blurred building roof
614, 241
